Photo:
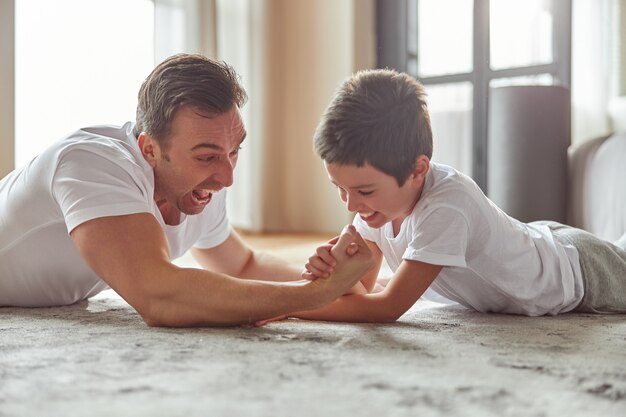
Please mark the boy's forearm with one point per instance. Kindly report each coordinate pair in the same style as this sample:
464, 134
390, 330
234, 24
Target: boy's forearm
356, 308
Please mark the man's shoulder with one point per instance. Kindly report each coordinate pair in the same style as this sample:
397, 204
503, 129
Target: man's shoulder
105, 142
101, 136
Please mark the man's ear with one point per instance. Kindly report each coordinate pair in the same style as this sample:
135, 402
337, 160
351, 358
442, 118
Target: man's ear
422, 165
149, 148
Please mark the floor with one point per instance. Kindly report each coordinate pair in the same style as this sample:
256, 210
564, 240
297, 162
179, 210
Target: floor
98, 358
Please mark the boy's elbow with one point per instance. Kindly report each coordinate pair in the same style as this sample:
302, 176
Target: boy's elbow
383, 316
388, 311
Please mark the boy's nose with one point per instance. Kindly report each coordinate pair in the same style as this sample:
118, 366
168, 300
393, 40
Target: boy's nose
352, 203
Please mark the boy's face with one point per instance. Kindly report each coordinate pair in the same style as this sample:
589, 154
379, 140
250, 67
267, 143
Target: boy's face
374, 195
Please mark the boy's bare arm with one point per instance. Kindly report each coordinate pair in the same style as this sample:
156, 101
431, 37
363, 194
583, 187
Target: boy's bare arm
407, 285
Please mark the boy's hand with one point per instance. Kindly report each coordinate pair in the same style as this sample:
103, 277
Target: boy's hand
354, 259
322, 263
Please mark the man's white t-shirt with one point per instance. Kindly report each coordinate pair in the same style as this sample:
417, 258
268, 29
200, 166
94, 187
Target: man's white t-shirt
492, 262
95, 172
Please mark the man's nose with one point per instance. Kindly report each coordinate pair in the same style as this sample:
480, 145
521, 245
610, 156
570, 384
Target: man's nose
224, 175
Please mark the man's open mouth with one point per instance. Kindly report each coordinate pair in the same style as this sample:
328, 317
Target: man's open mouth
201, 197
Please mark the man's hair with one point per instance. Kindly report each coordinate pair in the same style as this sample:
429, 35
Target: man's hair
377, 117
185, 79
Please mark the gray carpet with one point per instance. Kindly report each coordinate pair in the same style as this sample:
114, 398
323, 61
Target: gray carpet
98, 358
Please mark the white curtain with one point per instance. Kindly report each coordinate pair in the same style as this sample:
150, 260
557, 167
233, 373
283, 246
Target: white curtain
184, 26
291, 55
597, 65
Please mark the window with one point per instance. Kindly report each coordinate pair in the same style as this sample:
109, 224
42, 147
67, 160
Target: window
77, 63
459, 49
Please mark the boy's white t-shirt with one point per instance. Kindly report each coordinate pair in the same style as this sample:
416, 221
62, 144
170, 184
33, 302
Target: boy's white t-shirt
492, 262
95, 172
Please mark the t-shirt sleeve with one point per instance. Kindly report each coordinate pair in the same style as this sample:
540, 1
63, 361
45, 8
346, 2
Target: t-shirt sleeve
89, 185
215, 225
440, 238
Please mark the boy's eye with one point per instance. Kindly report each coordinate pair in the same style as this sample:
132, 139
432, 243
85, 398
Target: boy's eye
365, 192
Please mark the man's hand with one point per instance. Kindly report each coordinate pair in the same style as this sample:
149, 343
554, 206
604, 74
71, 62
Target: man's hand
321, 264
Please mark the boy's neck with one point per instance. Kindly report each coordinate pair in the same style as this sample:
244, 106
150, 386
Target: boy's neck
396, 224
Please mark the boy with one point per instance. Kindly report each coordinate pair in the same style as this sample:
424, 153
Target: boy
438, 232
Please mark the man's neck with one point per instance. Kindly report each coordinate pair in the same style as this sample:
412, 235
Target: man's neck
171, 215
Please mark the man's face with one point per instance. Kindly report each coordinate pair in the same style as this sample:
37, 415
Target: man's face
374, 195
197, 159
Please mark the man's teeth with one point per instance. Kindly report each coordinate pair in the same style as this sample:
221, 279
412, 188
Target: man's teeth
202, 194
366, 215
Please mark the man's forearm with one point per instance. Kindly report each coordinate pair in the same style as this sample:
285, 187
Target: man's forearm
265, 267
224, 300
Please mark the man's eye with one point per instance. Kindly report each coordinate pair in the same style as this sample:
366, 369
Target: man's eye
366, 192
236, 151
206, 158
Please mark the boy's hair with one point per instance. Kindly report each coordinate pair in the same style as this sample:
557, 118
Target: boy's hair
185, 79
377, 117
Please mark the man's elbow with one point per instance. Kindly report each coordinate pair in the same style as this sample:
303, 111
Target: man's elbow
163, 320
151, 315
160, 313
153, 322
153, 307
390, 317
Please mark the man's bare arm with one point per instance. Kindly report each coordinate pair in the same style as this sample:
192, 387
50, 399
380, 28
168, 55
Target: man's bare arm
130, 253
235, 258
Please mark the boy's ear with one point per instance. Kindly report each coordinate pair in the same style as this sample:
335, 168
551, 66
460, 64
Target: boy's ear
149, 148
422, 165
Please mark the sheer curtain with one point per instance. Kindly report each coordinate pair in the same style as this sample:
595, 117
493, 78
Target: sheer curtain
598, 56
292, 55
184, 26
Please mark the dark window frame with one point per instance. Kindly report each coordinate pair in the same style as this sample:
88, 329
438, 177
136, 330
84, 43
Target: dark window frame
396, 22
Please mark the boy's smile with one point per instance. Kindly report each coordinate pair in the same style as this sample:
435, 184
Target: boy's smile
376, 196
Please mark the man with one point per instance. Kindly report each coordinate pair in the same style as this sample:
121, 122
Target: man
111, 206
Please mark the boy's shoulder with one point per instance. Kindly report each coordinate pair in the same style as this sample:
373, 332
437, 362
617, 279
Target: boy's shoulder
449, 196
445, 184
